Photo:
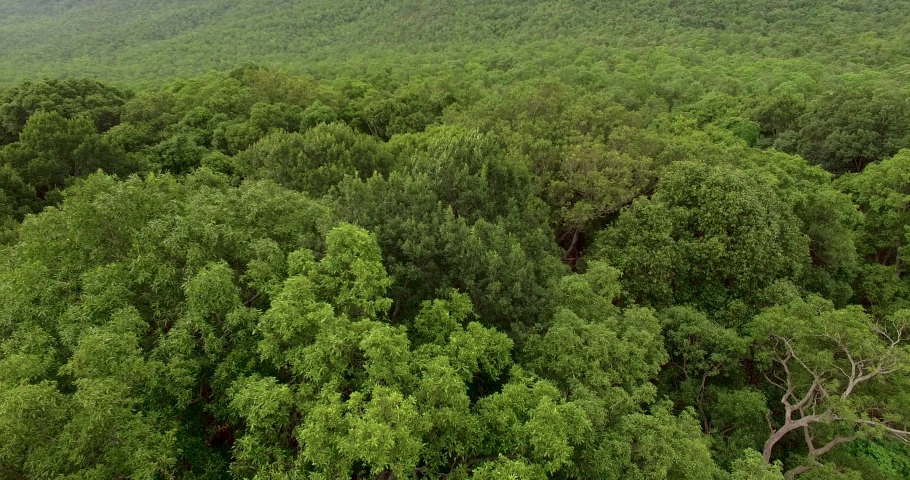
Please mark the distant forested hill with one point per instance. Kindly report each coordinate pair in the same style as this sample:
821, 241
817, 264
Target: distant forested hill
157, 39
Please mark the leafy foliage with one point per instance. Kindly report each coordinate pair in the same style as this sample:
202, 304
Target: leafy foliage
535, 240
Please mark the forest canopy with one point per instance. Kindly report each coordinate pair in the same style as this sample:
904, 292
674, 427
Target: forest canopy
452, 240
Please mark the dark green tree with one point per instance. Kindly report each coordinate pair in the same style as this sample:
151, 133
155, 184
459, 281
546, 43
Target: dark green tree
852, 127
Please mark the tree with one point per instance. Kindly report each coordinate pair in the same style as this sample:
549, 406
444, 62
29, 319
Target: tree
659, 445
842, 373
47, 149
506, 265
777, 115
753, 467
100, 103
51, 152
407, 108
126, 321
699, 349
179, 154
709, 236
591, 184
882, 193
852, 127
458, 215
359, 399
313, 161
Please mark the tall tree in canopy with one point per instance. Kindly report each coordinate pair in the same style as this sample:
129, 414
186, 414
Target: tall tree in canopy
850, 128
708, 236
882, 193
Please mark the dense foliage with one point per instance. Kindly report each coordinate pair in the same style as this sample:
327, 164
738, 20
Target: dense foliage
619, 240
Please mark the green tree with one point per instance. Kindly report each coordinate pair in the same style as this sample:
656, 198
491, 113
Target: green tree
313, 161
882, 193
708, 236
753, 467
71, 98
852, 127
593, 183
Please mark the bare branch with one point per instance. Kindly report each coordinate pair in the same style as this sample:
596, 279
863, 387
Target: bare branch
810, 395
770, 425
810, 440
787, 428
792, 355
899, 333
817, 452
902, 435
772, 382
814, 453
885, 366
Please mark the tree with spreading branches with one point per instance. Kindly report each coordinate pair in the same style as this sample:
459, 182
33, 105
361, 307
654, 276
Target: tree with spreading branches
842, 372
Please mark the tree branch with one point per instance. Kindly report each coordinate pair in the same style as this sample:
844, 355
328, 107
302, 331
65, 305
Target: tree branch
817, 452
784, 430
902, 435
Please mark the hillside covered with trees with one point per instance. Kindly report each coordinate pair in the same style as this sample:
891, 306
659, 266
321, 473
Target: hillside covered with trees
649, 239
